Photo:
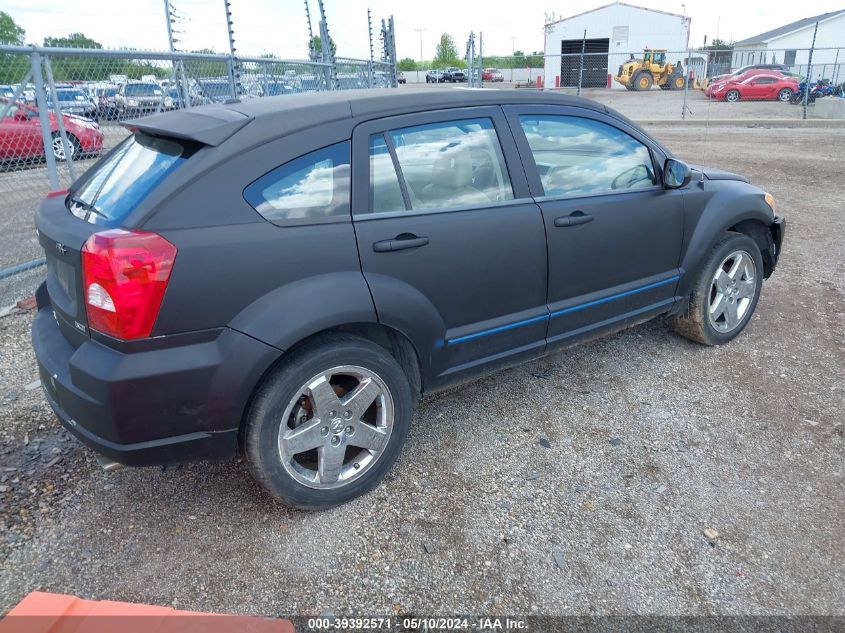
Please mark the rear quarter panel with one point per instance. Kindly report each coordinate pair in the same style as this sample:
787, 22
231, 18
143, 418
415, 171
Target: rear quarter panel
278, 284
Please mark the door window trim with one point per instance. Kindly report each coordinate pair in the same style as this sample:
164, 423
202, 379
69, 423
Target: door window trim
361, 199
513, 112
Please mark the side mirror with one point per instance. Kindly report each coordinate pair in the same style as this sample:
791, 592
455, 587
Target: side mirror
21, 115
676, 174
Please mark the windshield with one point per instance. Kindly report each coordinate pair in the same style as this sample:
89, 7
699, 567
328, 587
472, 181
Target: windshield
143, 90
115, 187
70, 95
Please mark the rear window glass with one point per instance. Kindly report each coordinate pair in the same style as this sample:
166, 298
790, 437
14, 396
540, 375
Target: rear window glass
114, 187
311, 188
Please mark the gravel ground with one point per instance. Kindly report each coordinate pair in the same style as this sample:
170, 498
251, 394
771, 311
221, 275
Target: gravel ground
581, 483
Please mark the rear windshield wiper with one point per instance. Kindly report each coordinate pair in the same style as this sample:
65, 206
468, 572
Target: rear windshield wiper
90, 208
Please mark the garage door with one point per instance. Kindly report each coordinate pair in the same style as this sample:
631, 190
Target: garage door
595, 62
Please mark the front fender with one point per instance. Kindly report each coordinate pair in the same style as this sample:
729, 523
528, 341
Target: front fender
295, 311
711, 211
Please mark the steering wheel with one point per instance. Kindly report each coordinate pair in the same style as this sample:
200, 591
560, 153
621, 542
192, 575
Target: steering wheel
633, 177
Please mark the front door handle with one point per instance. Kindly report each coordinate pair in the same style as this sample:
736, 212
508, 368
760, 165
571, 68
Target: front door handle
574, 219
400, 242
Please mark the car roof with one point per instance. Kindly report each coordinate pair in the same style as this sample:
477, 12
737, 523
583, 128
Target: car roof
284, 115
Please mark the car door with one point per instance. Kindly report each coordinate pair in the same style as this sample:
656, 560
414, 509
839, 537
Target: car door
20, 134
750, 89
451, 244
766, 87
614, 234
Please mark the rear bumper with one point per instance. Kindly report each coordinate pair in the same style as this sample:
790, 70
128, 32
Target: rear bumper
172, 403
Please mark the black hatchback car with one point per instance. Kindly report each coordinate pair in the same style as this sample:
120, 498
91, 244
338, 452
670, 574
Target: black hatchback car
286, 276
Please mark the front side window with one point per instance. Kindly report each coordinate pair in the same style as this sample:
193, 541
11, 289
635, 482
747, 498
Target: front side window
577, 156
444, 165
312, 187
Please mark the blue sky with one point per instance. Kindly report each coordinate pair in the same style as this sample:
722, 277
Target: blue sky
279, 26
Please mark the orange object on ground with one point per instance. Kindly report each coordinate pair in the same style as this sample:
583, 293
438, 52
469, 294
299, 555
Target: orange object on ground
57, 613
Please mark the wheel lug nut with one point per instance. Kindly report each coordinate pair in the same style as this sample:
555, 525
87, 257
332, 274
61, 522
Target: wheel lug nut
349, 430
347, 414
332, 414
335, 440
324, 430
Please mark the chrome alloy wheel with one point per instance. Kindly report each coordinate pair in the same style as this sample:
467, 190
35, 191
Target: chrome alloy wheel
59, 148
336, 427
732, 291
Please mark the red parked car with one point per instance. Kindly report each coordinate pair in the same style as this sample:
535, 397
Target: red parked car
20, 134
754, 85
492, 74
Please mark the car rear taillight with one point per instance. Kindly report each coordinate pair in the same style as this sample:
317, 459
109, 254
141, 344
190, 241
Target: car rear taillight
124, 277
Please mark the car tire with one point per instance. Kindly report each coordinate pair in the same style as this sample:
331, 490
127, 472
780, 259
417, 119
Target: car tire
59, 150
725, 293
732, 96
299, 421
785, 95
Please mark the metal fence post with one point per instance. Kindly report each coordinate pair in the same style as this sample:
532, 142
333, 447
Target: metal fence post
581, 62
44, 119
4, 110
60, 120
686, 88
480, 59
809, 70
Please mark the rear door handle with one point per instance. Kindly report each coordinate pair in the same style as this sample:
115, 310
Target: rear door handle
574, 219
400, 242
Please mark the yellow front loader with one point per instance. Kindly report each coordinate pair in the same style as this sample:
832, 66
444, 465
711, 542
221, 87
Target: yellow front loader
642, 74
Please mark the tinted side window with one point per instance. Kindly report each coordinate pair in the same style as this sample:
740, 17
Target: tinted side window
446, 164
312, 187
576, 156
385, 191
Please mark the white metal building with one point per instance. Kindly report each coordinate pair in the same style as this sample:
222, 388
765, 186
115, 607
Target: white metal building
613, 32
790, 45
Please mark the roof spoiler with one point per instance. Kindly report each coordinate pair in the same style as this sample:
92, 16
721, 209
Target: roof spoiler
209, 125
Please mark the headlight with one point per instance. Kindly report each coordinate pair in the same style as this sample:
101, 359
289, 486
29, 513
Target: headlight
770, 200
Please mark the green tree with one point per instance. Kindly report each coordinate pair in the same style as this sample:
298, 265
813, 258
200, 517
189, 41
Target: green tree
719, 56
10, 32
315, 46
77, 68
407, 63
12, 67
206, 68
446, 53
74, 40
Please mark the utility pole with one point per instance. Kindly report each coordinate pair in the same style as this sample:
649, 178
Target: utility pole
178, 70
421, 31
234, 66
312, 52
513, 50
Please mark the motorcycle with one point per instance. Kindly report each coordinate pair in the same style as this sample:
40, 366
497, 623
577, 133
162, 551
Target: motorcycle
821, 89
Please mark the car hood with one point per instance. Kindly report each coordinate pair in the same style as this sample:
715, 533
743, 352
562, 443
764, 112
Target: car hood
711, 173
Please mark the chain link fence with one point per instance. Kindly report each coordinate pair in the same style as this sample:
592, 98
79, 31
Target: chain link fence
60, 109
658, 84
